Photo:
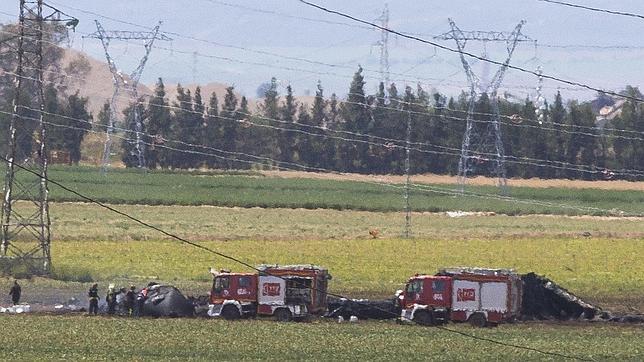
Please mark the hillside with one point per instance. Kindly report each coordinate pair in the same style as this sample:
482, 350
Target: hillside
96, 84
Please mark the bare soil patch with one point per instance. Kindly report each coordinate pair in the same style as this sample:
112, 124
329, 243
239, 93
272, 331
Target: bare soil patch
451, 180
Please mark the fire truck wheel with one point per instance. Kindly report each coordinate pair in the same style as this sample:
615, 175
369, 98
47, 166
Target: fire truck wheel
424, 318
283, 315
478, 320
230, 312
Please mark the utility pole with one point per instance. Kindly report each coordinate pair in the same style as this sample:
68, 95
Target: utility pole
407, 175
120, 83
483, 146
25, 218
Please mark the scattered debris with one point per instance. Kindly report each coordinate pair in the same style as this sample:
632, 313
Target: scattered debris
16, 309
628, 318
345, 309
544, 299
469, 213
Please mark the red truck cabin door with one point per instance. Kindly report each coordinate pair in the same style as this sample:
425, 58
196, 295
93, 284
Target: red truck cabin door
414, 293
242, 288
431, 291
439, 291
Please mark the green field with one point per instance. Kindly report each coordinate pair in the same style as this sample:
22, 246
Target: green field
80, 337
275, 220
596, 258
126, 186
598, 269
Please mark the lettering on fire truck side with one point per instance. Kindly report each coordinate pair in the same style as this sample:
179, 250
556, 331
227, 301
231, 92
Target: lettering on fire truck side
465, 294
438, 296
242, 291
271, 289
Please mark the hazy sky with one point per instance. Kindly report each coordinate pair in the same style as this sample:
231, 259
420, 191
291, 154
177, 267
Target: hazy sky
289, 28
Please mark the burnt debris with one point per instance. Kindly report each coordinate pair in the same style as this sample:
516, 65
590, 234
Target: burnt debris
543, 299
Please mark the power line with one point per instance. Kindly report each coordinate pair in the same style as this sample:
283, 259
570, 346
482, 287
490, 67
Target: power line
523, 70
248, 265
522, 158
264, 52
514, 120
271, 65
613, 12
278, 164
292, 166
391, 143
272, 12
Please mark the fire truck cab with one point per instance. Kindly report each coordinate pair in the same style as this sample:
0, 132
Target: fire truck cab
479, 296
285, 292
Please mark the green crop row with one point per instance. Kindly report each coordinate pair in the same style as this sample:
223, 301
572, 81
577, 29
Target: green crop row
80, 337
127, 186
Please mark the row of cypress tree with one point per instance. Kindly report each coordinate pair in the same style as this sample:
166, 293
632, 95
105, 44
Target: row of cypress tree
366, 133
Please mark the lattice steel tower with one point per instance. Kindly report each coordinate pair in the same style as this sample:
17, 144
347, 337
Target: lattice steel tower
383, 43
121, 84
483, 145
25, 208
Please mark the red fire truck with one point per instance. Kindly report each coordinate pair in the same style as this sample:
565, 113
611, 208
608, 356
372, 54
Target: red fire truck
285, 292
479, 296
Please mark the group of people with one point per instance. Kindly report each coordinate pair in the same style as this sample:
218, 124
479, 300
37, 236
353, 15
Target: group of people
132, 302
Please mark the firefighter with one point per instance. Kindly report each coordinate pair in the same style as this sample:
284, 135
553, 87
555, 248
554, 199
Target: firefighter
110, 299
140, 301
15, 292
93, 299
130, 298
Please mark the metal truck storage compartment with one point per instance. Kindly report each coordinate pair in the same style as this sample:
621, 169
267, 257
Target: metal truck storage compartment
271, 290
494, 292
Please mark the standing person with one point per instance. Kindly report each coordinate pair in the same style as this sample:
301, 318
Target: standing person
15, 292
93, 299
110, 299
130, 298
140, 301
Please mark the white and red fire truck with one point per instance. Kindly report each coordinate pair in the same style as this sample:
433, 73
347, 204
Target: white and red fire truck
479, 296
285, 292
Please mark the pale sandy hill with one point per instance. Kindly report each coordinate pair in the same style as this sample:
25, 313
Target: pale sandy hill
206, 92
96, 84
220, 90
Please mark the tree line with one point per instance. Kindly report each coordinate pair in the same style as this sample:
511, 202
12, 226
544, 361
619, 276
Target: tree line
66, 116
365, 133
362, 133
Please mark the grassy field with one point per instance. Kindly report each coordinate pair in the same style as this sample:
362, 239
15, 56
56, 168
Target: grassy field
80, 337
122, 186
596, 268
80, 221
92, 244
325, 222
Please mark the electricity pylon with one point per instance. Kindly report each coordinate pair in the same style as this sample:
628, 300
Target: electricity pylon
121, 84
383, 43
483, 145
25, 218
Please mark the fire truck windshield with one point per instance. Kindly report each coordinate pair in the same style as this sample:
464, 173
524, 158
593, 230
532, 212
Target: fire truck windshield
221, 283
415, 286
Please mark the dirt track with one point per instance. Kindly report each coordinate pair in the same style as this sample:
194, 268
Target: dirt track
450, 180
